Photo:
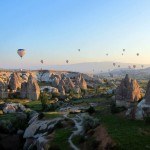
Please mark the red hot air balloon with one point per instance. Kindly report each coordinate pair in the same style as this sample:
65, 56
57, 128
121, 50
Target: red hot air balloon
21, 52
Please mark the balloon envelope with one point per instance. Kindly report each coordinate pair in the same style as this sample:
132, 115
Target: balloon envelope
42, 61
21, 52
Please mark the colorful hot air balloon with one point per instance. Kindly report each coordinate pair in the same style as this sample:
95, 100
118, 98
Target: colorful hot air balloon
21, 52
67, 61
137, 54
124, 50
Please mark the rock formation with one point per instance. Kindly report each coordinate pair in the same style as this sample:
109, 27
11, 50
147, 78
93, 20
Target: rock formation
33, 90
15, 82
61, 90
23, 92
147, 95
83, 84
69, 85
55, 82
3, 89
128, 90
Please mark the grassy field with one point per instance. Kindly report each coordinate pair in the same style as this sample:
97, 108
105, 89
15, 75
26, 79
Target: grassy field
60, 140
129, 134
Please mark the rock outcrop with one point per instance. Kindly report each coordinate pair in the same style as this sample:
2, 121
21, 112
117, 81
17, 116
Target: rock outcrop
61, 90
33, 89
69, 85
142, 109
23, 92
55, 82
3, 89
147, 95
83, 84
15, 82
13, 108
128, 90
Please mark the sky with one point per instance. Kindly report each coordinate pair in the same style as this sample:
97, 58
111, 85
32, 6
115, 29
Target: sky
54, 30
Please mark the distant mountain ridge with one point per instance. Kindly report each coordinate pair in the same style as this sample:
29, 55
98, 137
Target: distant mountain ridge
91, 67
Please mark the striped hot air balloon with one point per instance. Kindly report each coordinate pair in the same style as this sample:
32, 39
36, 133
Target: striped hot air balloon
21, 52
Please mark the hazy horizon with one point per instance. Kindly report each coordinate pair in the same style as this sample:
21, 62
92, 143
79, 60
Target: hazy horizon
54, 31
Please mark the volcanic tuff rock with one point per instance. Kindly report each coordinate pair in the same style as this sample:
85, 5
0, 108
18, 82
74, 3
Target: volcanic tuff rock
15, 82
33, 89
3, 89
23, 92
83, 84
61, 90
147, 95
128, 90
69, 85
55, 82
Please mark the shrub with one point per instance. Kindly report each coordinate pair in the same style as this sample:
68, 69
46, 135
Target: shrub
115, 109
41, 116
91, 110
147, 120
44, 100
90, 123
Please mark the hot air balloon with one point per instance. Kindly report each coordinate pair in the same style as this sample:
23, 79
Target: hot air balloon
118, 66
129, 67
106, 54
137, 54
142, 66
79, 50
21, 52
42, 61
124, 50
122, 54
134, 66
67, 61
114, 64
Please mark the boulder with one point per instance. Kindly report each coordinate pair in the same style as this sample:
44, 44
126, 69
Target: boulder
13, 108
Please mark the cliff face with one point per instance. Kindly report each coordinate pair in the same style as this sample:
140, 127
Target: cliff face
128, 90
